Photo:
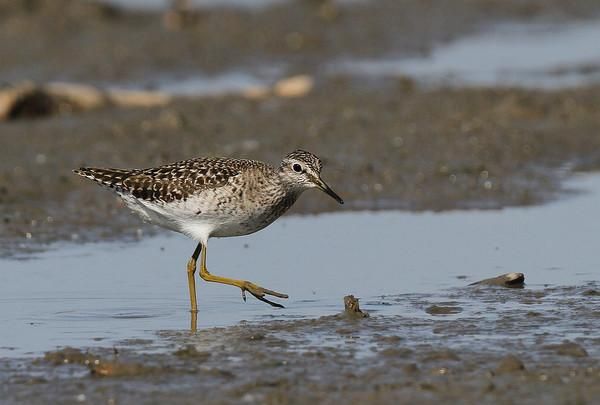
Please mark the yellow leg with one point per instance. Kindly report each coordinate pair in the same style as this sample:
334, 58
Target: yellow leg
193, 321
257, 291
191, 270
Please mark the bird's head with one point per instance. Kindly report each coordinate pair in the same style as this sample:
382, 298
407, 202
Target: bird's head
301, 170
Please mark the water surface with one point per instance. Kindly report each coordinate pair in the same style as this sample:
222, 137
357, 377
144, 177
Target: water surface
516, 54
397, 262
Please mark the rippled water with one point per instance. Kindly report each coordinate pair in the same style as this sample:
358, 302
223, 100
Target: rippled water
97, 294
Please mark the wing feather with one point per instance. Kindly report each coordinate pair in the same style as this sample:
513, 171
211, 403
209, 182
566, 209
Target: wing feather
175, 181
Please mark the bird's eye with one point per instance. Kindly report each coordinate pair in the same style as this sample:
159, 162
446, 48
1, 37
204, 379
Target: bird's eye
297, 168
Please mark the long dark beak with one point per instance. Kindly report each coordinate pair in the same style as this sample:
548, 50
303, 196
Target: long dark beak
323, 186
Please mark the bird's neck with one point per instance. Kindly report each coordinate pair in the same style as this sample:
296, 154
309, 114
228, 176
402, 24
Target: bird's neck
289, 185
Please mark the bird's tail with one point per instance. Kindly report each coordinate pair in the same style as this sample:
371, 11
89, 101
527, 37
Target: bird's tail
112, 178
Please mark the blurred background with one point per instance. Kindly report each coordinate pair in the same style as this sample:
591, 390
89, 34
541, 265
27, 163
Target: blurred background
413, 105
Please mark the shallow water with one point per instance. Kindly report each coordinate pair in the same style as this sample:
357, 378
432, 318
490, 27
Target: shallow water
99, 294
530, 55
203, 85
547, 56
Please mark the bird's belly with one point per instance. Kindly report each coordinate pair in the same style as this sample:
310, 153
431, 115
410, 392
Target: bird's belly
211, 214
230, 215
240, 224
153, 213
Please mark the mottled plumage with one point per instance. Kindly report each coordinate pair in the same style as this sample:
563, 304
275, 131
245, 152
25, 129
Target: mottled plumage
175, 181
206, 197
215, 197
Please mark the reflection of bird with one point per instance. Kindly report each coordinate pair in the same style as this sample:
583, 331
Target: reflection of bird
218, 197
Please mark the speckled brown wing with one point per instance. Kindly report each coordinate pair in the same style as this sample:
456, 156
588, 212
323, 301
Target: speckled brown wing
176, 181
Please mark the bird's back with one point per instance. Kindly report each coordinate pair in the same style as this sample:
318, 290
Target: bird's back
175, 181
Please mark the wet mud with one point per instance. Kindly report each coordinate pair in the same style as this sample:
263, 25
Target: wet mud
492, 352
384, 149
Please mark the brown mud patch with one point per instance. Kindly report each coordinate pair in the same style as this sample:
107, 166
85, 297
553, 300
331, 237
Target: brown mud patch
386, 359
384, 149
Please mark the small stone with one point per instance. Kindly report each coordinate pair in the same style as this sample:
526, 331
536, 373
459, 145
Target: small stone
67, 355
248, 398
190, 351
256, 92
591, 293
41, 159
351, 307
442, 355
509, 280
34, 104
400, 352
490, 387
568, 348
427, 387
411, 368
443, 310
295, 86
510, 364
117, 369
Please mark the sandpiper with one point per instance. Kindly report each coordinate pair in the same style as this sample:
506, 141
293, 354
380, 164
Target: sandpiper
215, 197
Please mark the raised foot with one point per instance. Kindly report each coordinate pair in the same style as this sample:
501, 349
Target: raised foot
259, 293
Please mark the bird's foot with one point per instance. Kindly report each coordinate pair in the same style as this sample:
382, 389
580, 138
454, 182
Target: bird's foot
259, 293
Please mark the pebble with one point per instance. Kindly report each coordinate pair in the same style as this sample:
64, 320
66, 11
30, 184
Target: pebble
568, 348
442, 310
510, 364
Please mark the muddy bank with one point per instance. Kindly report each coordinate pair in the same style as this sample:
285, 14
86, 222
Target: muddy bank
262, 370
385, 148
501, 352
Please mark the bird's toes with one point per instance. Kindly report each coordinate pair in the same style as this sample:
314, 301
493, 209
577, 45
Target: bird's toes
260, 292
274, 293
263, 299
